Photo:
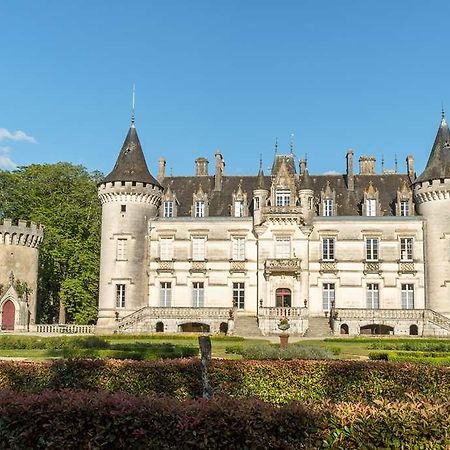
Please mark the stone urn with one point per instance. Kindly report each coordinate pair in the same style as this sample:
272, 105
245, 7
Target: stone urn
284, 336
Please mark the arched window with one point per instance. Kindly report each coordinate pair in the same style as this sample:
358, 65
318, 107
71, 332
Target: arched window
283, 298
159, 327
413, 330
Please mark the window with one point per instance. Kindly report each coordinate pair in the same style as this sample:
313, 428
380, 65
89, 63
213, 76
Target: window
238, 208
198, 249
165, 294
328, 296
166, 249
371, 207
121, 251
200, 209
404, 208
373, 297
168, 208
283, 197
407, 296
123, 208
310, 203
239, 295
238, 249
372, 249
283, 247
406, 249
120, 296
198, 295
256, 202
328, 207
328, 249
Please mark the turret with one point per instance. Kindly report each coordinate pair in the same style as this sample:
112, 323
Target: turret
432, 197
306, 194
260, 194
130, 197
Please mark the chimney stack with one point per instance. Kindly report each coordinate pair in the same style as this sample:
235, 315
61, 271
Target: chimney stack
350, 177
201, 167
220, 167
410, 167
161, 169
367, 165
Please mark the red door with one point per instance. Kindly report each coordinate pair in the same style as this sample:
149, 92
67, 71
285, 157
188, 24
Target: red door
8, 315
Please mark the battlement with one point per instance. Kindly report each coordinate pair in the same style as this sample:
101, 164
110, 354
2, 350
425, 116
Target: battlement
426, 191
21, 232
129, 191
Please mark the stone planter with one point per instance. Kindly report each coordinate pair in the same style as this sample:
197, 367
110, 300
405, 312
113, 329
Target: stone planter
284, 338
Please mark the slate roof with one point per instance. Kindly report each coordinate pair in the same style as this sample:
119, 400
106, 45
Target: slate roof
348, 202
131, 164
438, 165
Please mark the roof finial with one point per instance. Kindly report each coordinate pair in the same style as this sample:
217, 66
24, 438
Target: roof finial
382, 164
260, 161
291, 144
276, 145
443, 113
396, 163
132, 104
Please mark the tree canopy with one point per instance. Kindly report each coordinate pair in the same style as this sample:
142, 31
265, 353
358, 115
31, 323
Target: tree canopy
62, 197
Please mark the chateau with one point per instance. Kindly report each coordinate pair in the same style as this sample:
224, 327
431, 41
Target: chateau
353, 253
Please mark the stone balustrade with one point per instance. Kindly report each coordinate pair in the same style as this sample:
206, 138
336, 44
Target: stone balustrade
328, 266
238, 266
62, 328
371, 267
198, 266
406, 267
380, 314
278, 312
165, 266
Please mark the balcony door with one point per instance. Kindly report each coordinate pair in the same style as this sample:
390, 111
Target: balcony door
283, 298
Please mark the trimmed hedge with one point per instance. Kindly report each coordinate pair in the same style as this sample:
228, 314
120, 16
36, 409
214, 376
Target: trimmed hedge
273, 351
86, 420
277, 382
434, 358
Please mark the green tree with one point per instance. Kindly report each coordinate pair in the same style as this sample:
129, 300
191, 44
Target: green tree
62, 197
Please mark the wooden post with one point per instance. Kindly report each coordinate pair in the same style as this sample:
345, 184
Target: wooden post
205, 352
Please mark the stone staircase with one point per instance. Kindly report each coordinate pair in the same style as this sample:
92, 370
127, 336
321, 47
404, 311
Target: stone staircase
318, 327
246, 326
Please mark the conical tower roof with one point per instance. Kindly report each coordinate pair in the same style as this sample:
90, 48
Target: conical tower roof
438, 165
306, 181
130, 164
260, 180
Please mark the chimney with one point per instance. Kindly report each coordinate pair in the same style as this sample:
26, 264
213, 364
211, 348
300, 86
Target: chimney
410, 167
367, 165
201, 167
161, 169
220, 167
302, 166
350, 178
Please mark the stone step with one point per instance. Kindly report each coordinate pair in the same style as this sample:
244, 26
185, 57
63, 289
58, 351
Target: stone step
246, 326
318, 327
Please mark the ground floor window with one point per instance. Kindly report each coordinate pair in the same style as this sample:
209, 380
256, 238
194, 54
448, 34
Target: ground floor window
198, 294
165, 294
283, 298
120, 296
239, 295
328, 296
373, 296
407, 296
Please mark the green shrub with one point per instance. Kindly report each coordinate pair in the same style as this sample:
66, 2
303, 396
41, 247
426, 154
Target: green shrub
234, 349
268, 351
379, 356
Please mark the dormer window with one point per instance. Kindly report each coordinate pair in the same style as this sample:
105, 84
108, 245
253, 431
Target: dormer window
238, 208
168, 208
404, 208
371, 207
328, 207
200, 208
283, 197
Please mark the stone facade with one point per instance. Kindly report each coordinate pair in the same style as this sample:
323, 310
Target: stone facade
343, 254
19, 251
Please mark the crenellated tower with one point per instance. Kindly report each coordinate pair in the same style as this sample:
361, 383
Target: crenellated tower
432, 197
130, 197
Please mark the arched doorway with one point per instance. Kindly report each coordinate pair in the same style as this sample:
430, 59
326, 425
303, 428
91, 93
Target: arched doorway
283, 298
8, 315
159, 327
344, 328
413, 330
376, 329
194, 327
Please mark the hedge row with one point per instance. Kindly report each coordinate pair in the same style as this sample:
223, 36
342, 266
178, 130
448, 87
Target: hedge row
99, 420
276, 382
434, 358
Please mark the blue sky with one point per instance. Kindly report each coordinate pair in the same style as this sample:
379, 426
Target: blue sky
228, 74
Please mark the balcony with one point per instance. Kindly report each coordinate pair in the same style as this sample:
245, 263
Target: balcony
328, 267
406, 267
238, 267
282, 266
165, 267
198, 267
371, 267
282, 213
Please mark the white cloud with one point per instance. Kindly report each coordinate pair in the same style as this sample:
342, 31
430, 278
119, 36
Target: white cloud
5, 161
19, 135
332, 172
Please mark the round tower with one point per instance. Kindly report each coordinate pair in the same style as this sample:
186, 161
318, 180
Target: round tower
306, 195
432, 197
19, 254
260, 194
130, 197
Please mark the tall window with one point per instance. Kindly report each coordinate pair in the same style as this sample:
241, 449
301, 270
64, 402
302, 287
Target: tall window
198, 294
407, 296
404, 208
328, 207
200, 208
406, 249
239, 295
283, 247
166, 249
120, 296
371, 249
165, 294
198, 249
121, 253
371, 207
168, 208
328, 249
238, 249
373, 297
238, 208
328, 296
256, 203
283, 197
